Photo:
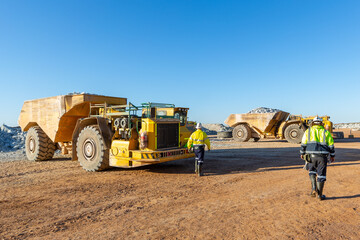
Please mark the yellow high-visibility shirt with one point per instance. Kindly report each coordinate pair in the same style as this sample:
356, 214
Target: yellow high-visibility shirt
198, 138
317, 140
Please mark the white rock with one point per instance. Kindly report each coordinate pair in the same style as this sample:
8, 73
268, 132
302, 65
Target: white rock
347, 125
213, 128
264, 110
11, 138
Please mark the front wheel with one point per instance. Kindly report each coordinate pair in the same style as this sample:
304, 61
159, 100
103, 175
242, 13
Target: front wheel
293, 133
91, 151
242, 133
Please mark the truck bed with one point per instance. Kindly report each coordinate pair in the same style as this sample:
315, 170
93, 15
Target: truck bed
57, 116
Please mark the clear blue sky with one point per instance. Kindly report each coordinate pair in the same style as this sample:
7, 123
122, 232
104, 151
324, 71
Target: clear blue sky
216, 57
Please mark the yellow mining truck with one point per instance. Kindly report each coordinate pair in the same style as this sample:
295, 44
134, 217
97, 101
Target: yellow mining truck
280, 125
102, 132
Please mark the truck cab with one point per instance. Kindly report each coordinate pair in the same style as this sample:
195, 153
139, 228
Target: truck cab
155, 135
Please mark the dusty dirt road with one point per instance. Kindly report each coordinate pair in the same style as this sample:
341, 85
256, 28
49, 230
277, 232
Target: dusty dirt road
249, 191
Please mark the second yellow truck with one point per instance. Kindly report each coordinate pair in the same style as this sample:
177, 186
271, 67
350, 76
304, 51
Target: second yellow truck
280, 125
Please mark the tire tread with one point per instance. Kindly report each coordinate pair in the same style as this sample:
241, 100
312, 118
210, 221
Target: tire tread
45, 148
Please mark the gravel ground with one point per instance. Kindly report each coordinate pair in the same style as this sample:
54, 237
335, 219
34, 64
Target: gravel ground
13, 156
251, 190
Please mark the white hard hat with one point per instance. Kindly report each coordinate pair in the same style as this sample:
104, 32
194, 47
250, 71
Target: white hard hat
198, 126
317, 119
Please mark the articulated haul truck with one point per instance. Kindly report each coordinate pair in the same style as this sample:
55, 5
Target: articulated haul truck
102, 132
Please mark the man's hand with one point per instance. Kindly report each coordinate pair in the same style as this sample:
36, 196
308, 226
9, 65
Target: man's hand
302, 157
332, 159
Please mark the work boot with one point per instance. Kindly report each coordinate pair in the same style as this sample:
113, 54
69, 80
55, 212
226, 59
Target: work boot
320, 188
200, 170
313, 185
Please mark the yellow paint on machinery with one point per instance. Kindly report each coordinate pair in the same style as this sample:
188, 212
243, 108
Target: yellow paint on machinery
279, 124
126, 154
149, 125
57, 116
142, 158
186, 127
262, 123
102, 131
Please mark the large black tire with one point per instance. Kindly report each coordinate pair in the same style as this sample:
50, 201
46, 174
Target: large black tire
91, 151
242, 133
338, 135
38, 145
294, 133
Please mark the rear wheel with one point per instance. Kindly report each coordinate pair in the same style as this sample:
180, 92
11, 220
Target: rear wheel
242, 133
38, 145
294, 133
91, 151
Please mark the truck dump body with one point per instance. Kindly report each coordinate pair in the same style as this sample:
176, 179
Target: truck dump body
57, 116
264, 122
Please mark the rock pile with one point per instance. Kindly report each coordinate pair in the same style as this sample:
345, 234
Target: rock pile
11, 138
347, 125
213, 128
264, 110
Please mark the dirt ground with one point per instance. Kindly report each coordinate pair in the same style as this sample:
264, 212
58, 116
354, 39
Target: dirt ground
249, 191
348, 132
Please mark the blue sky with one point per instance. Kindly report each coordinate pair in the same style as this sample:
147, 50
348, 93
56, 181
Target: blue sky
216, 57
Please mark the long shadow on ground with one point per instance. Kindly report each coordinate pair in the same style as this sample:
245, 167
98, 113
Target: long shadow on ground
232, 161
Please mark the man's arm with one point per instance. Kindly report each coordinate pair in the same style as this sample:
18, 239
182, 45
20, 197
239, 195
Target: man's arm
330, 143
303, 143
206, 140
190, 141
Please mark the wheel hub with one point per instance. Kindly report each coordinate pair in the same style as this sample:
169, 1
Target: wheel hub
294, 133
89, 149
32, 145
240, 134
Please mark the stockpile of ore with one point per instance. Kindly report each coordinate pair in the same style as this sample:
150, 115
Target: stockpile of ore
11, 138
264, 110
213, 128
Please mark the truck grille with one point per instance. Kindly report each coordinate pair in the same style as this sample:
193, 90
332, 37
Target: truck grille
167, 135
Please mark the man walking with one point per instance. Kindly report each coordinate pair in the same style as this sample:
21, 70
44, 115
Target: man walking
317, 143
198, 140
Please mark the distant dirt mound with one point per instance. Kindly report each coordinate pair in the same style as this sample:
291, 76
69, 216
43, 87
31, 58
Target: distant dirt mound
213, 128
264, 110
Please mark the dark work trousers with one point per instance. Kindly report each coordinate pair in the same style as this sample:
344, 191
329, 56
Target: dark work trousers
199, 154
318, 166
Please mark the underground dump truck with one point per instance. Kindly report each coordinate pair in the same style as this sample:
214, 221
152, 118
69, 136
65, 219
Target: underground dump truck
280, 125
102, 132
